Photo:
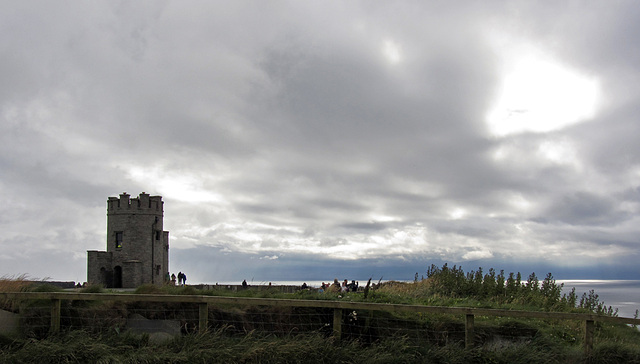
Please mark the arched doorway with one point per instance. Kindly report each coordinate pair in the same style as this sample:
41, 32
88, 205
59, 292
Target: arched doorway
117, 276
106, 277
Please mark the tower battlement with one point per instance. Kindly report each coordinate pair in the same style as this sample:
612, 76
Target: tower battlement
144, 201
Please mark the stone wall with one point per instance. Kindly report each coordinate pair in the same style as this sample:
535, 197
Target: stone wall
9, 323
99, 268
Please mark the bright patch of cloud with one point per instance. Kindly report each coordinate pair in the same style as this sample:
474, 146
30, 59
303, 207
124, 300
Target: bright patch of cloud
180, 186
560, 152
518, 201
458, 213
477, 254
392, 51
540, 94
383, 218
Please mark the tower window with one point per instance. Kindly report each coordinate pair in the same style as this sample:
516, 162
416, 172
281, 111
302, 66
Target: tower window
119, 239
157, 235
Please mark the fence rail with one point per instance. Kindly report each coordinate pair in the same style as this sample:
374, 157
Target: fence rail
337, 306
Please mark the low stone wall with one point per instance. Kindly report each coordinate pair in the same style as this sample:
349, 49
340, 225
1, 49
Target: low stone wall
159, 330
9, 323
237, 287
63, 285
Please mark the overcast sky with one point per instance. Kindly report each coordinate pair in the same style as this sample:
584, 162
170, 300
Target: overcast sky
319, 139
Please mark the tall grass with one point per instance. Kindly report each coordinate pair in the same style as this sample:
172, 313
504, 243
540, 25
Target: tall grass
19, 283
14, 283
218, 347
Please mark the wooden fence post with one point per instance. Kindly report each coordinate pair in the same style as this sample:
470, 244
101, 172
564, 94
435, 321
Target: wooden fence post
337, 323
588, 337
469, 334
55, 315
203, 319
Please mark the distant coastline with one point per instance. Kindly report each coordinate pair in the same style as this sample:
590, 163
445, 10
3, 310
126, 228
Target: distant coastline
621, 294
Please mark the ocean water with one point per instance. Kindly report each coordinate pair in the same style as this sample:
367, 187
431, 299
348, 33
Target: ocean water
621, 294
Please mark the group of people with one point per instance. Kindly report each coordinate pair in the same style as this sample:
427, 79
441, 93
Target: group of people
182, 278
338, 287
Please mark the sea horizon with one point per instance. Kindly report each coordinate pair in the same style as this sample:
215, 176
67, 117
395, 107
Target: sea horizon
621, 294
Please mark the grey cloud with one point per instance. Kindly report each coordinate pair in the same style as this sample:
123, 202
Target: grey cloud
368, 227
610, 142
306, 136
582, 208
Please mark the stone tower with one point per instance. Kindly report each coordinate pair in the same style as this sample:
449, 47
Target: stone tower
137, 247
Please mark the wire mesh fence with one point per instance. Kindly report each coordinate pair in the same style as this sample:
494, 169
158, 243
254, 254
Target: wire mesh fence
41, 313
366, 326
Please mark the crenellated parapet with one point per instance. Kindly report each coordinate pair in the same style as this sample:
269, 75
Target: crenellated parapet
126, 204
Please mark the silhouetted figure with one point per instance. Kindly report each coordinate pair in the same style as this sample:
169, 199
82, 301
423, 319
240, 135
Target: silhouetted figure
334, 287
353, 286
244, 284
304, 285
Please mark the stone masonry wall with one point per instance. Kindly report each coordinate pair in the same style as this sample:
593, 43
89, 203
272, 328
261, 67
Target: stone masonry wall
136, 243
99, 267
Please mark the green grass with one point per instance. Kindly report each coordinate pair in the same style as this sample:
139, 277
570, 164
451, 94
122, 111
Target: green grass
440, 338
218, 347
81, 347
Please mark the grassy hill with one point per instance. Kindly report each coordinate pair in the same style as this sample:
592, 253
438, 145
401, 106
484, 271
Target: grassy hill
239, 334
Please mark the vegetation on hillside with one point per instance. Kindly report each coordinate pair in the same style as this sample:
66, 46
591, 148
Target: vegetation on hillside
452, 286
440, 338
